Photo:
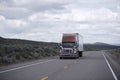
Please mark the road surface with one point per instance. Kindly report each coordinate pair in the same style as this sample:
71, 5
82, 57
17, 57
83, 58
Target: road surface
92, 66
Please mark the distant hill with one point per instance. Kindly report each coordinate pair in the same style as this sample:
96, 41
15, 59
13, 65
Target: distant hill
0, 37
6, 41
102, 44
99, 46
116, 44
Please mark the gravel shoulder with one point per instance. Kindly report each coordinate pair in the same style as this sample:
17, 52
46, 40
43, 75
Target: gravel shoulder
113, 56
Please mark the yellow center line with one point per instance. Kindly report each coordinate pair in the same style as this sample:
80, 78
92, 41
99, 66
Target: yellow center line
45, 78
65, 67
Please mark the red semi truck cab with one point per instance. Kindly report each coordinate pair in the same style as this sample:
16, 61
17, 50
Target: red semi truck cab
72, 45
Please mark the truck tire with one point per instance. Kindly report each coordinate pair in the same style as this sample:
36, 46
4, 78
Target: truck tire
61, 57
80, 54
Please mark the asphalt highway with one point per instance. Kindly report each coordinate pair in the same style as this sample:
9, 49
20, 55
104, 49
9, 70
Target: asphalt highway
92, 66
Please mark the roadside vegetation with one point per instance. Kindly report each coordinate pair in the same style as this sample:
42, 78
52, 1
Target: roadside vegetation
115, 54
16, 50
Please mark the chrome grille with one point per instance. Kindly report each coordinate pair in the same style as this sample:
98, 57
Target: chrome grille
67, 51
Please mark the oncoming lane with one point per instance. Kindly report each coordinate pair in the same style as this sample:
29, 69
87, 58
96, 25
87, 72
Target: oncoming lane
92, 66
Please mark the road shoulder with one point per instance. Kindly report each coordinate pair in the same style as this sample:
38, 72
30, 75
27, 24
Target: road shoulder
113, 63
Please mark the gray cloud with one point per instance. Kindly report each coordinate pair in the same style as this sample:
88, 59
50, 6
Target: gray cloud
14, 12
48, 7
23, 8
47, 20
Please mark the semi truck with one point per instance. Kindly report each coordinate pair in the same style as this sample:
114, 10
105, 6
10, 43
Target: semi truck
71, 45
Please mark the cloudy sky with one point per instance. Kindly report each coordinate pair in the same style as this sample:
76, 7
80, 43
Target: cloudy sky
46, 20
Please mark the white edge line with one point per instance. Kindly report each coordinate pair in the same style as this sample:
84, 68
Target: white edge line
110, 68
24, 66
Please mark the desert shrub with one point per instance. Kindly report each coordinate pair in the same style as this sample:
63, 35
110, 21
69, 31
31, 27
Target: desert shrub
17, 56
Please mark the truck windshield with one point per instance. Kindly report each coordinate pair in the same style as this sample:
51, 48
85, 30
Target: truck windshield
68, 44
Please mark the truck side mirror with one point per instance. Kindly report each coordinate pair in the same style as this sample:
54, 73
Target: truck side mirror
60, 44
77, 45
61, 47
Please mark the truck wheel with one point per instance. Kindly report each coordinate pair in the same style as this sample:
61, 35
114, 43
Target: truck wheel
60, 57
80, 54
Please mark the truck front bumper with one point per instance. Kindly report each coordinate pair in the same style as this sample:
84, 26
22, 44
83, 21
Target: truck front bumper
70, 55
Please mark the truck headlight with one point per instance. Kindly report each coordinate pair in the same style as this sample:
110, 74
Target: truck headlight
74, 50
